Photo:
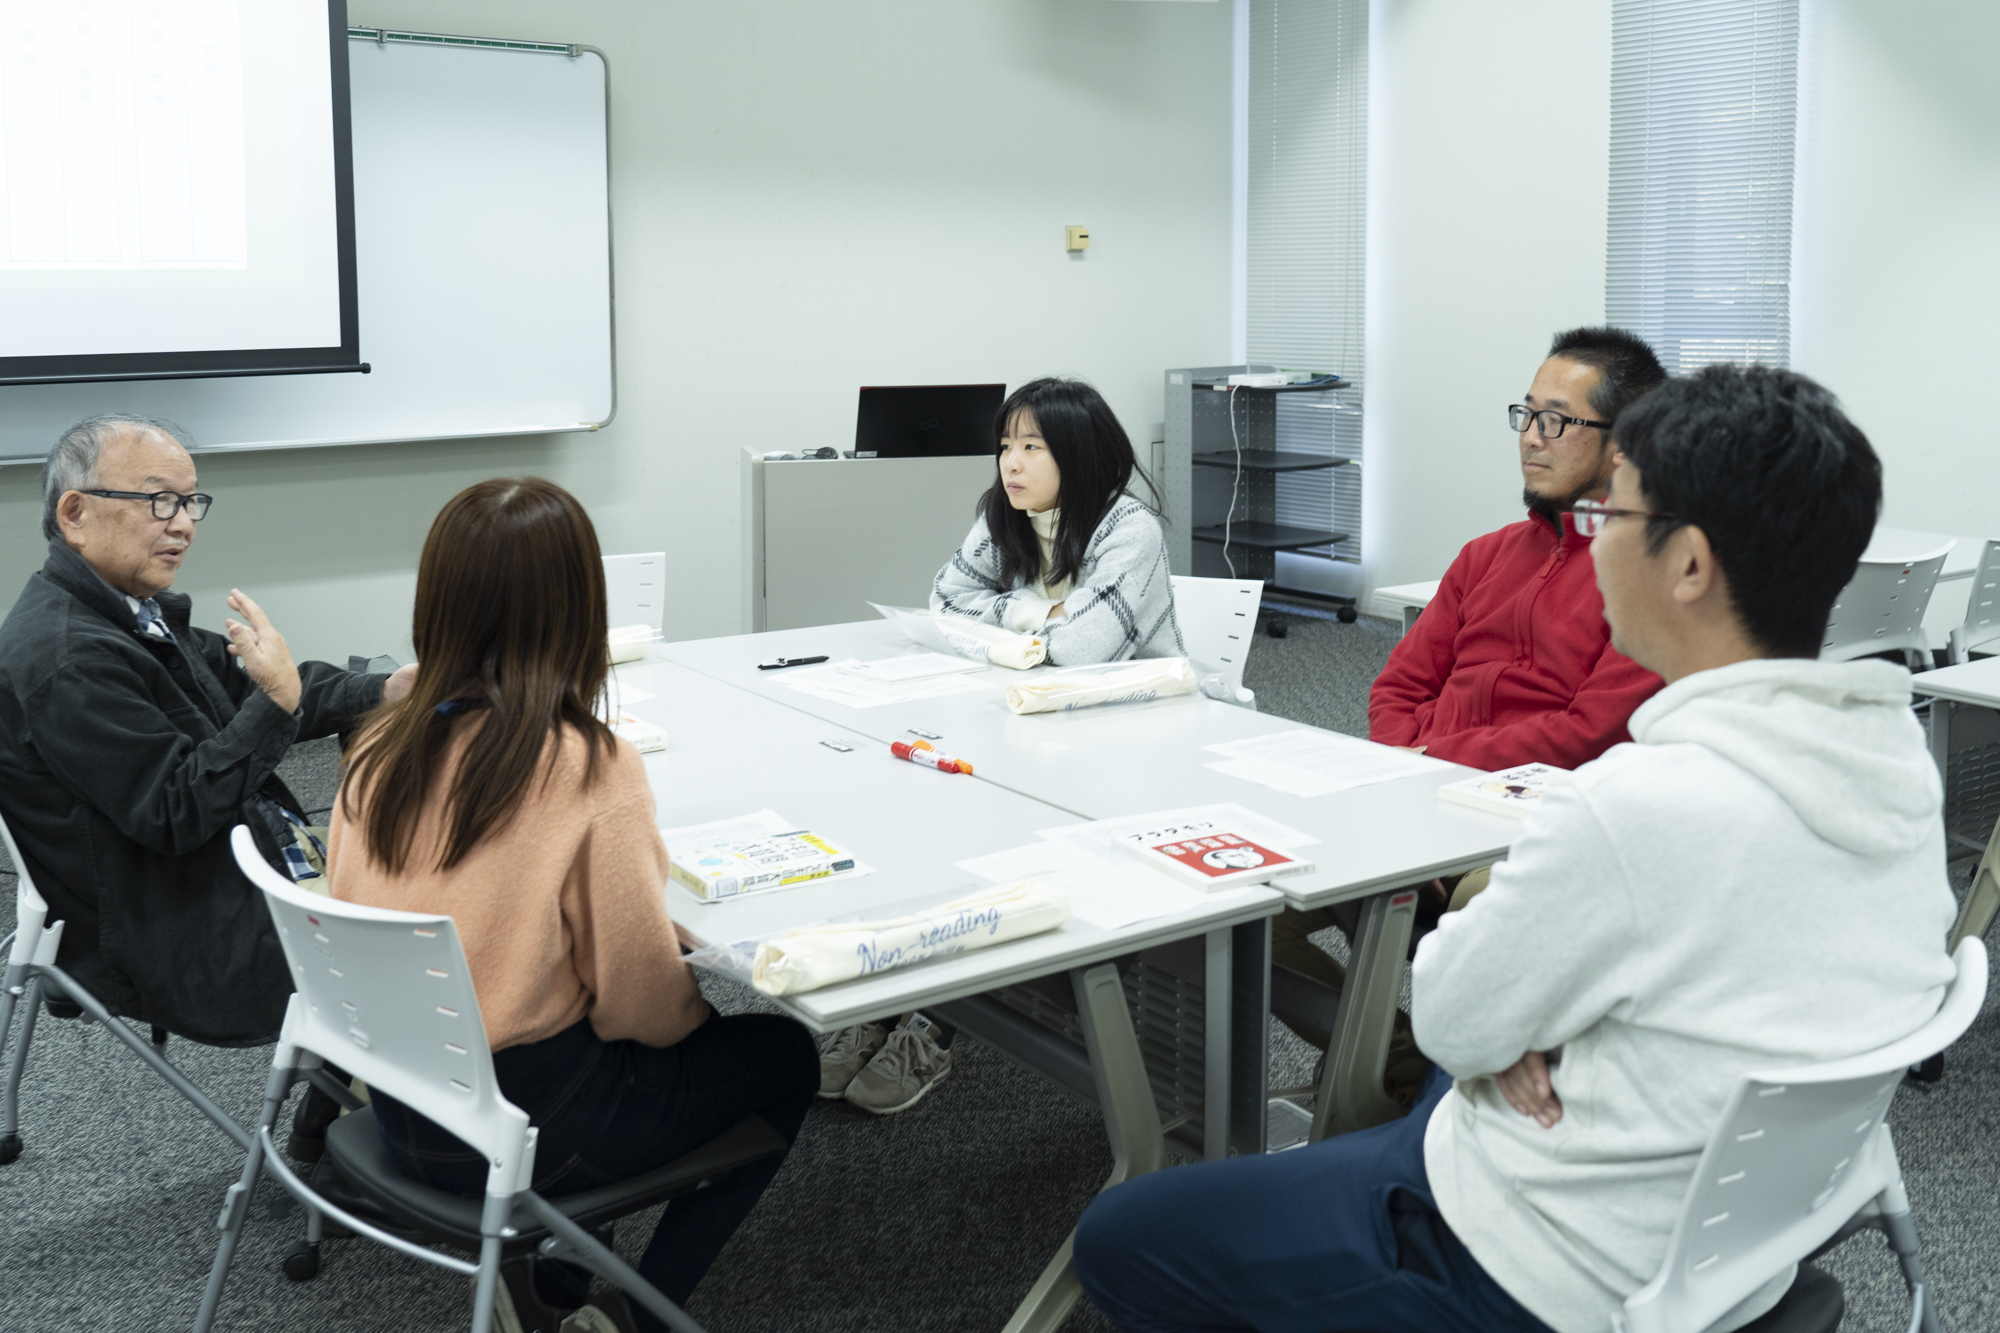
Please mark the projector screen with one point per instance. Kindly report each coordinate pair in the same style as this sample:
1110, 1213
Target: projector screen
176, 190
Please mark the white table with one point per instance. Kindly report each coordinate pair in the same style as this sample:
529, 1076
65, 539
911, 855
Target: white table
1965, 716
1409, 598
1376, 841
732, 753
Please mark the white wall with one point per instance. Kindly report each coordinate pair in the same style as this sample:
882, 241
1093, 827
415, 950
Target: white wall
806, 198
1488, 171
1897, 271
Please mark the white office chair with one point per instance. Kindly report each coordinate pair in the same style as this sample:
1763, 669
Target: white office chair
1218, 619
1882, 607
31, 972
1800, 1159
1982, 608
388, 996
634, 587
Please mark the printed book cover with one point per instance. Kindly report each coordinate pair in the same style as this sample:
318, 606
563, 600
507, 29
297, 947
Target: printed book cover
754, 864
1213, 860
1512, 792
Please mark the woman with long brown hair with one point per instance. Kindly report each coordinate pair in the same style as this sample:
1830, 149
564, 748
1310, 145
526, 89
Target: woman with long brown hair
493, 793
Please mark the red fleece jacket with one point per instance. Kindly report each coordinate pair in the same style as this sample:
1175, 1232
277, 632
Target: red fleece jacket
1511, 663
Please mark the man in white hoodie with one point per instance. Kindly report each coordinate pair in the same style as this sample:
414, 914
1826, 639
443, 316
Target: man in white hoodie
1757, 880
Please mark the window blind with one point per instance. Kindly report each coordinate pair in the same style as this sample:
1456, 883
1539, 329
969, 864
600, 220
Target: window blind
1704, 107
1306, 227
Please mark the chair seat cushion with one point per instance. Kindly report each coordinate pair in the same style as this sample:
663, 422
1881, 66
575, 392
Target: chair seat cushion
354, 1143
1814, 1304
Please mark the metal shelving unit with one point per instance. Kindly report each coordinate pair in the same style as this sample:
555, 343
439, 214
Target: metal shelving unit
1223, 466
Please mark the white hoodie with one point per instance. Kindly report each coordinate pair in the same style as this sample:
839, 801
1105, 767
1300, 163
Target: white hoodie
1757, 881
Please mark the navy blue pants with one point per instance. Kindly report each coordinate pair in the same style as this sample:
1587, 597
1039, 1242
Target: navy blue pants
1339, 1235
611, 1110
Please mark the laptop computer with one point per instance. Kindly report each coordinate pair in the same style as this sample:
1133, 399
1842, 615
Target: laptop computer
926, 420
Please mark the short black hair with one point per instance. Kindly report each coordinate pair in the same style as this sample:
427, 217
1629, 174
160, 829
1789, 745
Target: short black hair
1628, 368
1784, 486
1094, 460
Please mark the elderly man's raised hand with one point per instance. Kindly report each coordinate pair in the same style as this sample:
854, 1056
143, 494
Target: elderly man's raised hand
399, 684
261, 649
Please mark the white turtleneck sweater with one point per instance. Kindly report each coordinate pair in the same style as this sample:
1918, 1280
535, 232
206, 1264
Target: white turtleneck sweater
1045, 534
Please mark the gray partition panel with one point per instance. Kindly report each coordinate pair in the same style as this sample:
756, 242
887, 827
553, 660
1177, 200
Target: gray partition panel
824, 538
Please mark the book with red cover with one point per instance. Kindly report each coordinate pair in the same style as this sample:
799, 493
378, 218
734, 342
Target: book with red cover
1216, 859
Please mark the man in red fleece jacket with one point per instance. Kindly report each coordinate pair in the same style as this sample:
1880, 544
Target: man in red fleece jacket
1511, 663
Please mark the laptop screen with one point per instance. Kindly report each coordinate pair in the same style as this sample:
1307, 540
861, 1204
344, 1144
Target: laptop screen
927, 420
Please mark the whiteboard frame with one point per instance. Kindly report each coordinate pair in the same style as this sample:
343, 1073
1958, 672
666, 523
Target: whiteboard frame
568, 50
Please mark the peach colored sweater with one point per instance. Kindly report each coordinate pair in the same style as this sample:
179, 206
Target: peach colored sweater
561, 911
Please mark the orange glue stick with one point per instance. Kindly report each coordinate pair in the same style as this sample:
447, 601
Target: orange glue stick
920, 752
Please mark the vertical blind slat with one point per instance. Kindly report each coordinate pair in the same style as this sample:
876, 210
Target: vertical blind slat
1704, 107
1308, 136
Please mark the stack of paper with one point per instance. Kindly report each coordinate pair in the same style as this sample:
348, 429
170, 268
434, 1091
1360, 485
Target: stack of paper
860, 684
1108, 893
1315, 763
1107, 885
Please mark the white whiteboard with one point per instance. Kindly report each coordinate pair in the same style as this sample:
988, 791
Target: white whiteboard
483, 250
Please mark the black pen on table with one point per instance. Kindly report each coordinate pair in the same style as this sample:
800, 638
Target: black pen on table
778, 663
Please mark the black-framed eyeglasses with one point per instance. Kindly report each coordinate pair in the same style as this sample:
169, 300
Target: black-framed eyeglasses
165, 503
1592, 518
1548, 421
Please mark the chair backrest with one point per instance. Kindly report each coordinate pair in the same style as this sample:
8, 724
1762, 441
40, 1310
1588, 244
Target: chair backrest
1882, 607
1218, 619
1796, 1154
634, 589
31, 912
388, 997
1982, 607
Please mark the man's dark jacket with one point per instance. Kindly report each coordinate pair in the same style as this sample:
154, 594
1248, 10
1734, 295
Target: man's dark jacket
125, 760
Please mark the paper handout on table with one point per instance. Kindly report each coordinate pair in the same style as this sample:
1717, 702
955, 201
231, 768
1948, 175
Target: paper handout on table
914, 667
1108, 892
1136, 681
966, 638
1104, 835
753, 854
1514, 792
1306, 762
815, 956
851, 683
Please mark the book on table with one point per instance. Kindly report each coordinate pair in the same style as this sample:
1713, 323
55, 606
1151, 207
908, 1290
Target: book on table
1514, 792
645, 737
1217, 858
754, 864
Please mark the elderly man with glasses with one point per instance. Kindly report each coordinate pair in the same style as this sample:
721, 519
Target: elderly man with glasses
1511, 663
131, 742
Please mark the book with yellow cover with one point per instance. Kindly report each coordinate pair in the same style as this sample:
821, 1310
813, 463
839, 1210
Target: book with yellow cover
752, 865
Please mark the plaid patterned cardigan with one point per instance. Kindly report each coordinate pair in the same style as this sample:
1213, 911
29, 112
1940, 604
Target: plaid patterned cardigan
1120, 606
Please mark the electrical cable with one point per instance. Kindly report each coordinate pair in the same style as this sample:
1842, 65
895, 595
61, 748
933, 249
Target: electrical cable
1237, 480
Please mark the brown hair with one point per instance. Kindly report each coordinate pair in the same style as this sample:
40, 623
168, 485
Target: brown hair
510, 631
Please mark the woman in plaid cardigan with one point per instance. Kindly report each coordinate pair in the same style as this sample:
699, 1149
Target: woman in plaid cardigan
1061, 548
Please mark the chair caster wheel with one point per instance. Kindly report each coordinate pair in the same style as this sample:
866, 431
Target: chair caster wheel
1278, 627
1928, 1071
302, 1262
10, 1148
1347, 615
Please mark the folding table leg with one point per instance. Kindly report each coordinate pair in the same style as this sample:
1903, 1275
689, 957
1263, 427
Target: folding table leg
1131, 1121
1250, 1036
1217, 992
1351, 1097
